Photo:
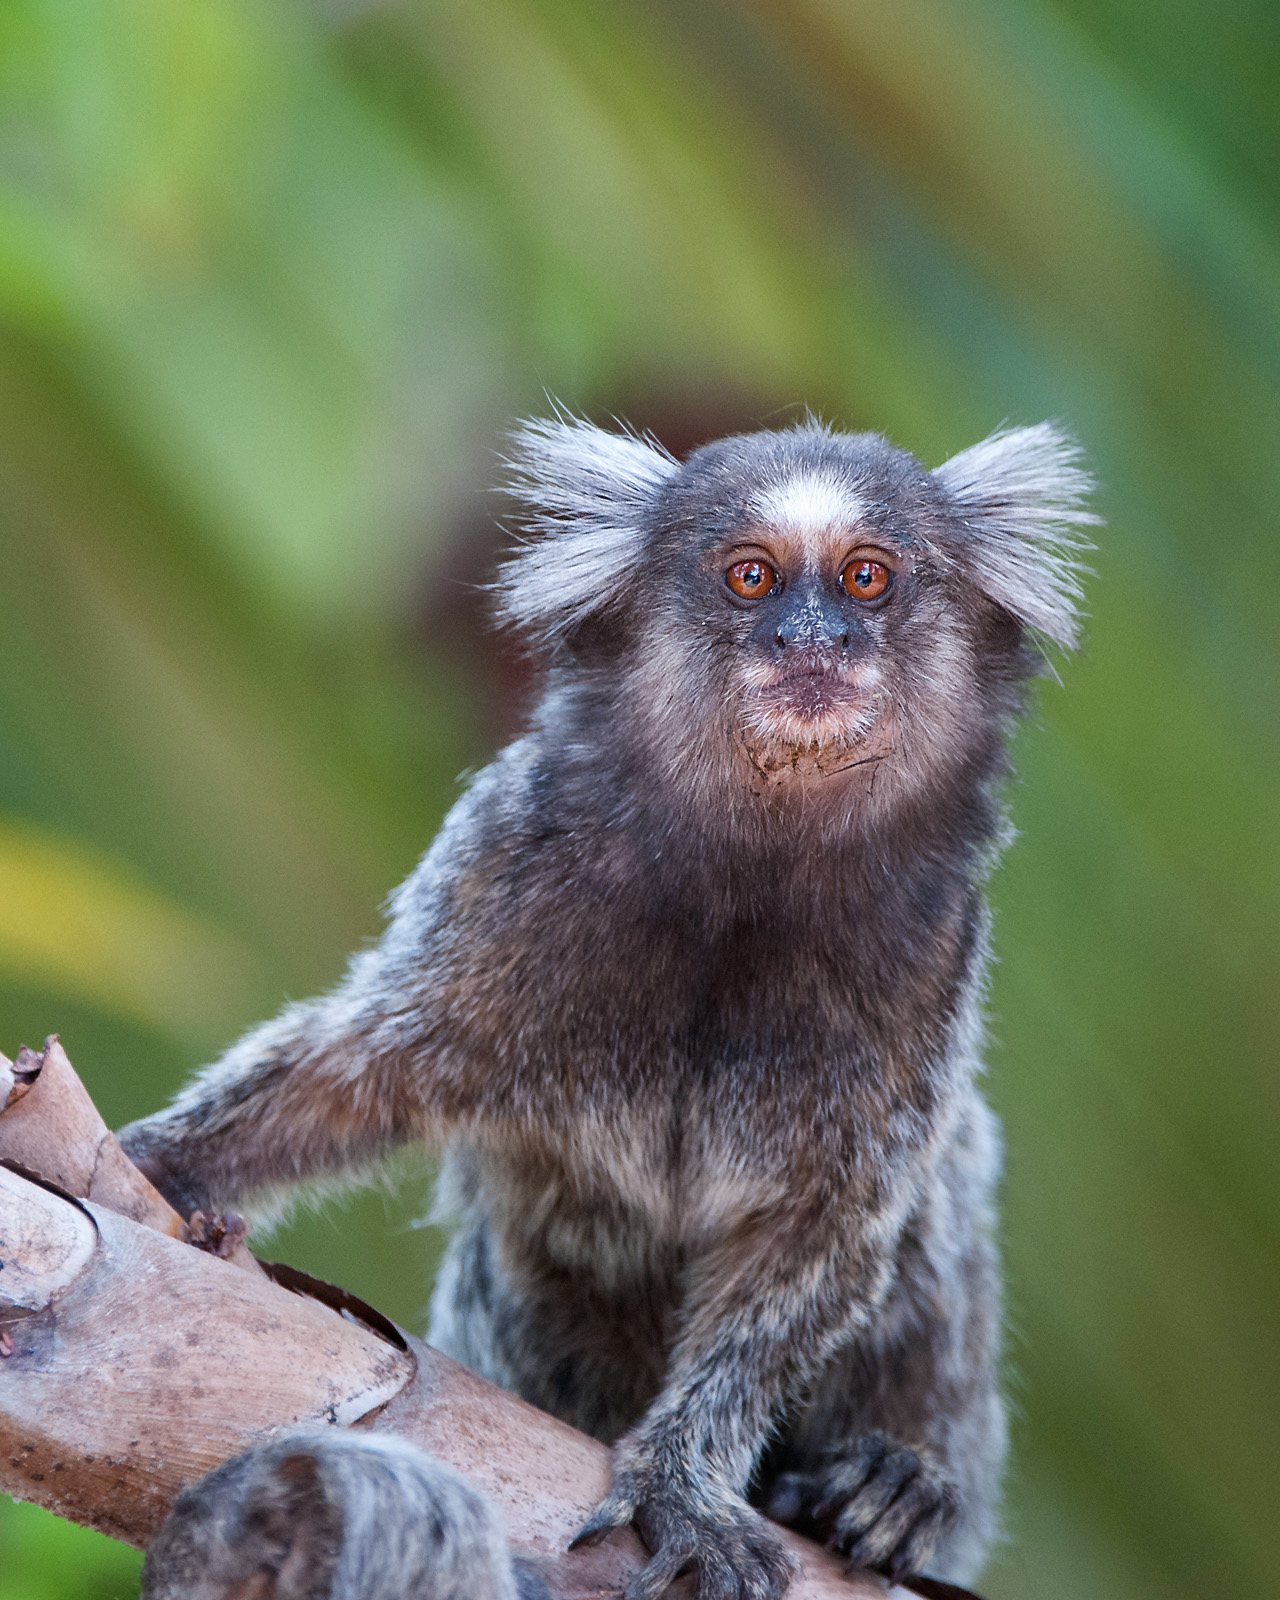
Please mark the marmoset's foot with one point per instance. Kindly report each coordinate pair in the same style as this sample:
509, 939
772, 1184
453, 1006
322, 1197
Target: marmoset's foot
879, 1503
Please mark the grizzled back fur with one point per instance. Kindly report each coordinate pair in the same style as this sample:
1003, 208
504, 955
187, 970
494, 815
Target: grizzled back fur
320, 1514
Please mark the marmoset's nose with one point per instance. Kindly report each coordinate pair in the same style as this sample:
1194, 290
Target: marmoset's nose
814, 624
796, 637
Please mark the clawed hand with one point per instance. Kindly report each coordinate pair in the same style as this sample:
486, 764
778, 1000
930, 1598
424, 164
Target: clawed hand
730, 1548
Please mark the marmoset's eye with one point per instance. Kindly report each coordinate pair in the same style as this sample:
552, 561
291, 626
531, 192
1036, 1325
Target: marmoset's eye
865, 579
751, 579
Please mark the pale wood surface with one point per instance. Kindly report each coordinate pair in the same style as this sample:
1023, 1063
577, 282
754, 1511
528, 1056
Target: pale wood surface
50, 1125
155, 1363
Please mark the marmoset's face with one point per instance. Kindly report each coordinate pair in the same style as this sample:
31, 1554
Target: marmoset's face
829, 622
797, 603
807, 607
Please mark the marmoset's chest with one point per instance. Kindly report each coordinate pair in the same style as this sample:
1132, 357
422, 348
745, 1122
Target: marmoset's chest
665, 1127
700, 1042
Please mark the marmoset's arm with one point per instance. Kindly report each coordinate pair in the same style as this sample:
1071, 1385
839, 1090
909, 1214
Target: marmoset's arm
322, 1088
333, 1083
764, 1310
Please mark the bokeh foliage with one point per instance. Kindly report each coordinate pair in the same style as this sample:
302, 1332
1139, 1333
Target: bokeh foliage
274, 277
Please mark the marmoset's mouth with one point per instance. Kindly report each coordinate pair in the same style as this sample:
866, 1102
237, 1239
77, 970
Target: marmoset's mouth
814, 693
807, 719
810, 703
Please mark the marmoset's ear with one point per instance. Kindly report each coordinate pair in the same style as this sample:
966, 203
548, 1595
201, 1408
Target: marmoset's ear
1021, 497
585, 491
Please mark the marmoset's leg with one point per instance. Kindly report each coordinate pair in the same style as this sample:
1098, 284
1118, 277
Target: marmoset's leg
509, 1310
895, 1458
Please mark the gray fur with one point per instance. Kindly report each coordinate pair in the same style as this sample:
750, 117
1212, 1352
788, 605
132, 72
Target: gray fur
690, 985
1022, 493
586, 490
326, 1515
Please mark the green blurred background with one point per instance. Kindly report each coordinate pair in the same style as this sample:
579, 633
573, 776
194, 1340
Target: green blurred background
273, 280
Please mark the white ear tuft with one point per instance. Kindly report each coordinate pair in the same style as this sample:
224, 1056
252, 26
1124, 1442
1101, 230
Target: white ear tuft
1021, 494
586, 491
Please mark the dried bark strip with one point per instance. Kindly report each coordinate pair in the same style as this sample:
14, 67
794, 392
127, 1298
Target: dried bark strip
49, 1124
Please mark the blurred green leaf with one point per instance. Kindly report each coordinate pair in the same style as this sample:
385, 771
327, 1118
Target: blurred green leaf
84, 925
46, 1559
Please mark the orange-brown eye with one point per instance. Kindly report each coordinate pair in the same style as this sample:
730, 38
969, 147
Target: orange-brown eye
751, 579
865, 579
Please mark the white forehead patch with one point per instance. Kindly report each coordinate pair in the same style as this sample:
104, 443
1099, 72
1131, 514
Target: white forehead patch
808, 502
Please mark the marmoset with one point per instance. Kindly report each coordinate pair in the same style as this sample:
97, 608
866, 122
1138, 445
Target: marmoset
689, 989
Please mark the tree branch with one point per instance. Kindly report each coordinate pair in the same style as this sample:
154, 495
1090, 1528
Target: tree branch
132, 1363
